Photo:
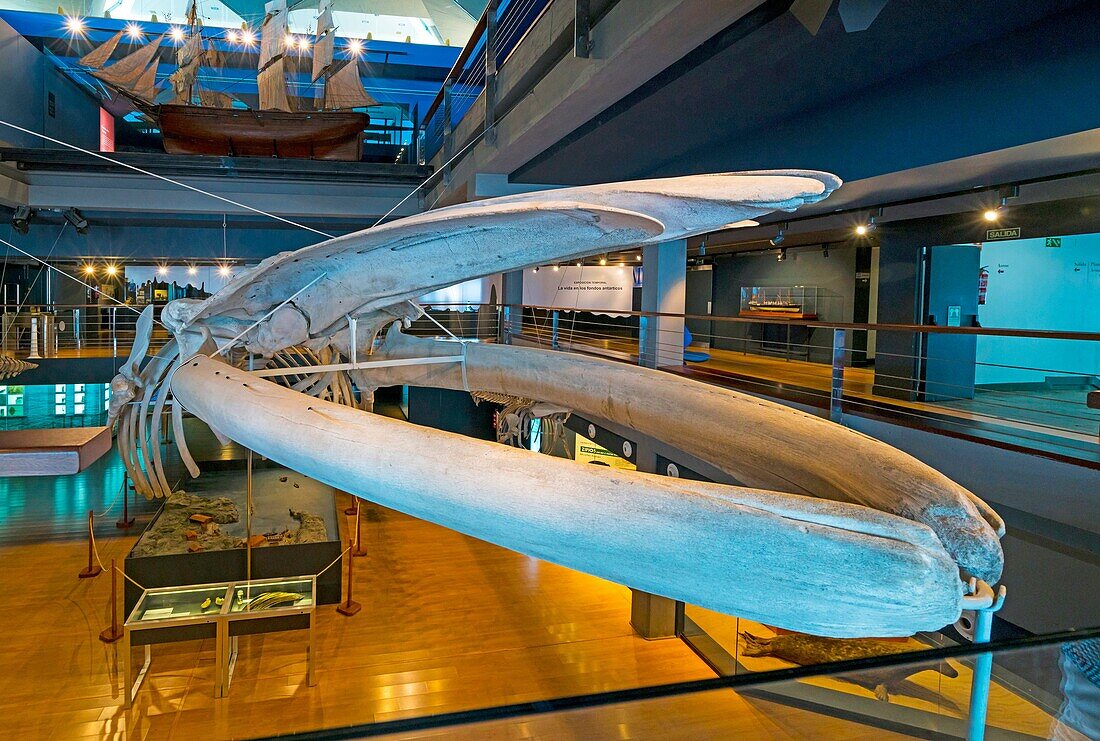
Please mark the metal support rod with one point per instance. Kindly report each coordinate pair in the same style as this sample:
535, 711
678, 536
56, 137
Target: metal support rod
491, 21
92, 569
983, 663
554, 330
353, 339
582, 44
836, 393
248, 512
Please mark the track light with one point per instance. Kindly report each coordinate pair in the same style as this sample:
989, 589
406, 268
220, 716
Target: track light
74, 217
637, 258
191, 270
111, 270
134, 31
535, 270
782, 255
232, 36
162, 270
20, 220
779, 235
176, 33
603, 261
556, 268
247, 37
223, 271
355, 47
871, 224
74, 26
88, 270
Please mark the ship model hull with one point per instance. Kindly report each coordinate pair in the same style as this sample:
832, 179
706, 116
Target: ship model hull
318, 135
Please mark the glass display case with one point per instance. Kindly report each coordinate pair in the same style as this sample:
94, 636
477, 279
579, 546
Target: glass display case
265, 596
174, 603
222, 611
780, 302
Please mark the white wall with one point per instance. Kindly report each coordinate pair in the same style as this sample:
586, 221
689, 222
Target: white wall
1032, 286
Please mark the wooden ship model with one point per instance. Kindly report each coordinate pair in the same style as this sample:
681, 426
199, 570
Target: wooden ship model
197, 120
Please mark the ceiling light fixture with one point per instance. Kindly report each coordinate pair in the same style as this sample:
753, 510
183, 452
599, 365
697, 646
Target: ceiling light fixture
74, 217
111, 270
162, 270
247, 37
176, 33
134, 31
74, 25
232, 36
782, 256
637, 258
355, 47
223, 271
191, 270
21, 219
88, 270
556, 268
603, 261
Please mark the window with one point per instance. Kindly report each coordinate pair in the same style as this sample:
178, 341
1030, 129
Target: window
78, 398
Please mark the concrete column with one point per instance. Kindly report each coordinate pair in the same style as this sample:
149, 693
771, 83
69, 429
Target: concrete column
511, 296
664, 288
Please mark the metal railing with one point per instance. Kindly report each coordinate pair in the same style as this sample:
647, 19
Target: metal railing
498, 31
78, 330
914, 373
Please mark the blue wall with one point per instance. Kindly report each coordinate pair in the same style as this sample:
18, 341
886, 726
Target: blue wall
1032, 286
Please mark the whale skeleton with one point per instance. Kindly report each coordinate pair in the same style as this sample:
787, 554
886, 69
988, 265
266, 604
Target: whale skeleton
828, 532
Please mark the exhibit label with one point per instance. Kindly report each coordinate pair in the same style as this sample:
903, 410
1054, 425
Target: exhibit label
602, 289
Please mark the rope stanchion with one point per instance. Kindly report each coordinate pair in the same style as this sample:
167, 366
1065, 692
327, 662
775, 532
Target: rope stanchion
359, 549
349, 606
113, 632
92, 569
125, 522
352, 508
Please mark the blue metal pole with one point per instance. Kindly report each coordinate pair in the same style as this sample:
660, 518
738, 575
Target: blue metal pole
983, 671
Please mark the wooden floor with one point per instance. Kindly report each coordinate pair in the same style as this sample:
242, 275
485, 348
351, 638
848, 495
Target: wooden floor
448, 623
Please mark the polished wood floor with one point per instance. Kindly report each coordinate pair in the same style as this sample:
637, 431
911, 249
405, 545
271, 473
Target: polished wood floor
448, 623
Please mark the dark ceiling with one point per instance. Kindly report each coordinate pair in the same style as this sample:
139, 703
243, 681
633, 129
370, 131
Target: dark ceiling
706, 111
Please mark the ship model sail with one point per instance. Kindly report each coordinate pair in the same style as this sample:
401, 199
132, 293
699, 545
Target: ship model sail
197, 119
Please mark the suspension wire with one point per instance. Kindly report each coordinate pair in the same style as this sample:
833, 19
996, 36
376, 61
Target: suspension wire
74, 278
169, 180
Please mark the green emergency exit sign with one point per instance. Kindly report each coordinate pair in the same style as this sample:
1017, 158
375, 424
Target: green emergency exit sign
1054, 241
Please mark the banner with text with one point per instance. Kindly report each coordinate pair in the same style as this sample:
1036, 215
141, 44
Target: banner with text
597, 288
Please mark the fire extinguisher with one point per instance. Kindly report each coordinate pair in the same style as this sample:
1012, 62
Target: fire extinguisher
983, 284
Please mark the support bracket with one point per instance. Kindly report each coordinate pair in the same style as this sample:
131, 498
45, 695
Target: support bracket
582, 44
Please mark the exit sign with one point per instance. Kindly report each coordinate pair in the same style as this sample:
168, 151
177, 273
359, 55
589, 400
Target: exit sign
992, 235
1054, 241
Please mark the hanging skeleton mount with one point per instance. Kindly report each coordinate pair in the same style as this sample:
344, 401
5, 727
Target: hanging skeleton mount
828, 532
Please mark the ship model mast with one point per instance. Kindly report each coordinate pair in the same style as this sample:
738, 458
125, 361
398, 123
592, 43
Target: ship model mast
198, 120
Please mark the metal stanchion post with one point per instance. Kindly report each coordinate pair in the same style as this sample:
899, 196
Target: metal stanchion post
34, 339
92, 569
125, 522
983, 663
359, 549
114, 632
349, 607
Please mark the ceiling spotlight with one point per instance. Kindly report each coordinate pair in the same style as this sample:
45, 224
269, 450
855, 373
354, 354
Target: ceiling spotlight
355, 47
637, 258
782, 255
603, 261
111, 270
191, 270
992, 214
861, 229
556, 268
176, 33
535, 270
223, 270
74, 25
77, 219
290, 41
579, 264
20, 220
247, 37
88, 270
162, 270
232, 36
303, 43
134, 31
